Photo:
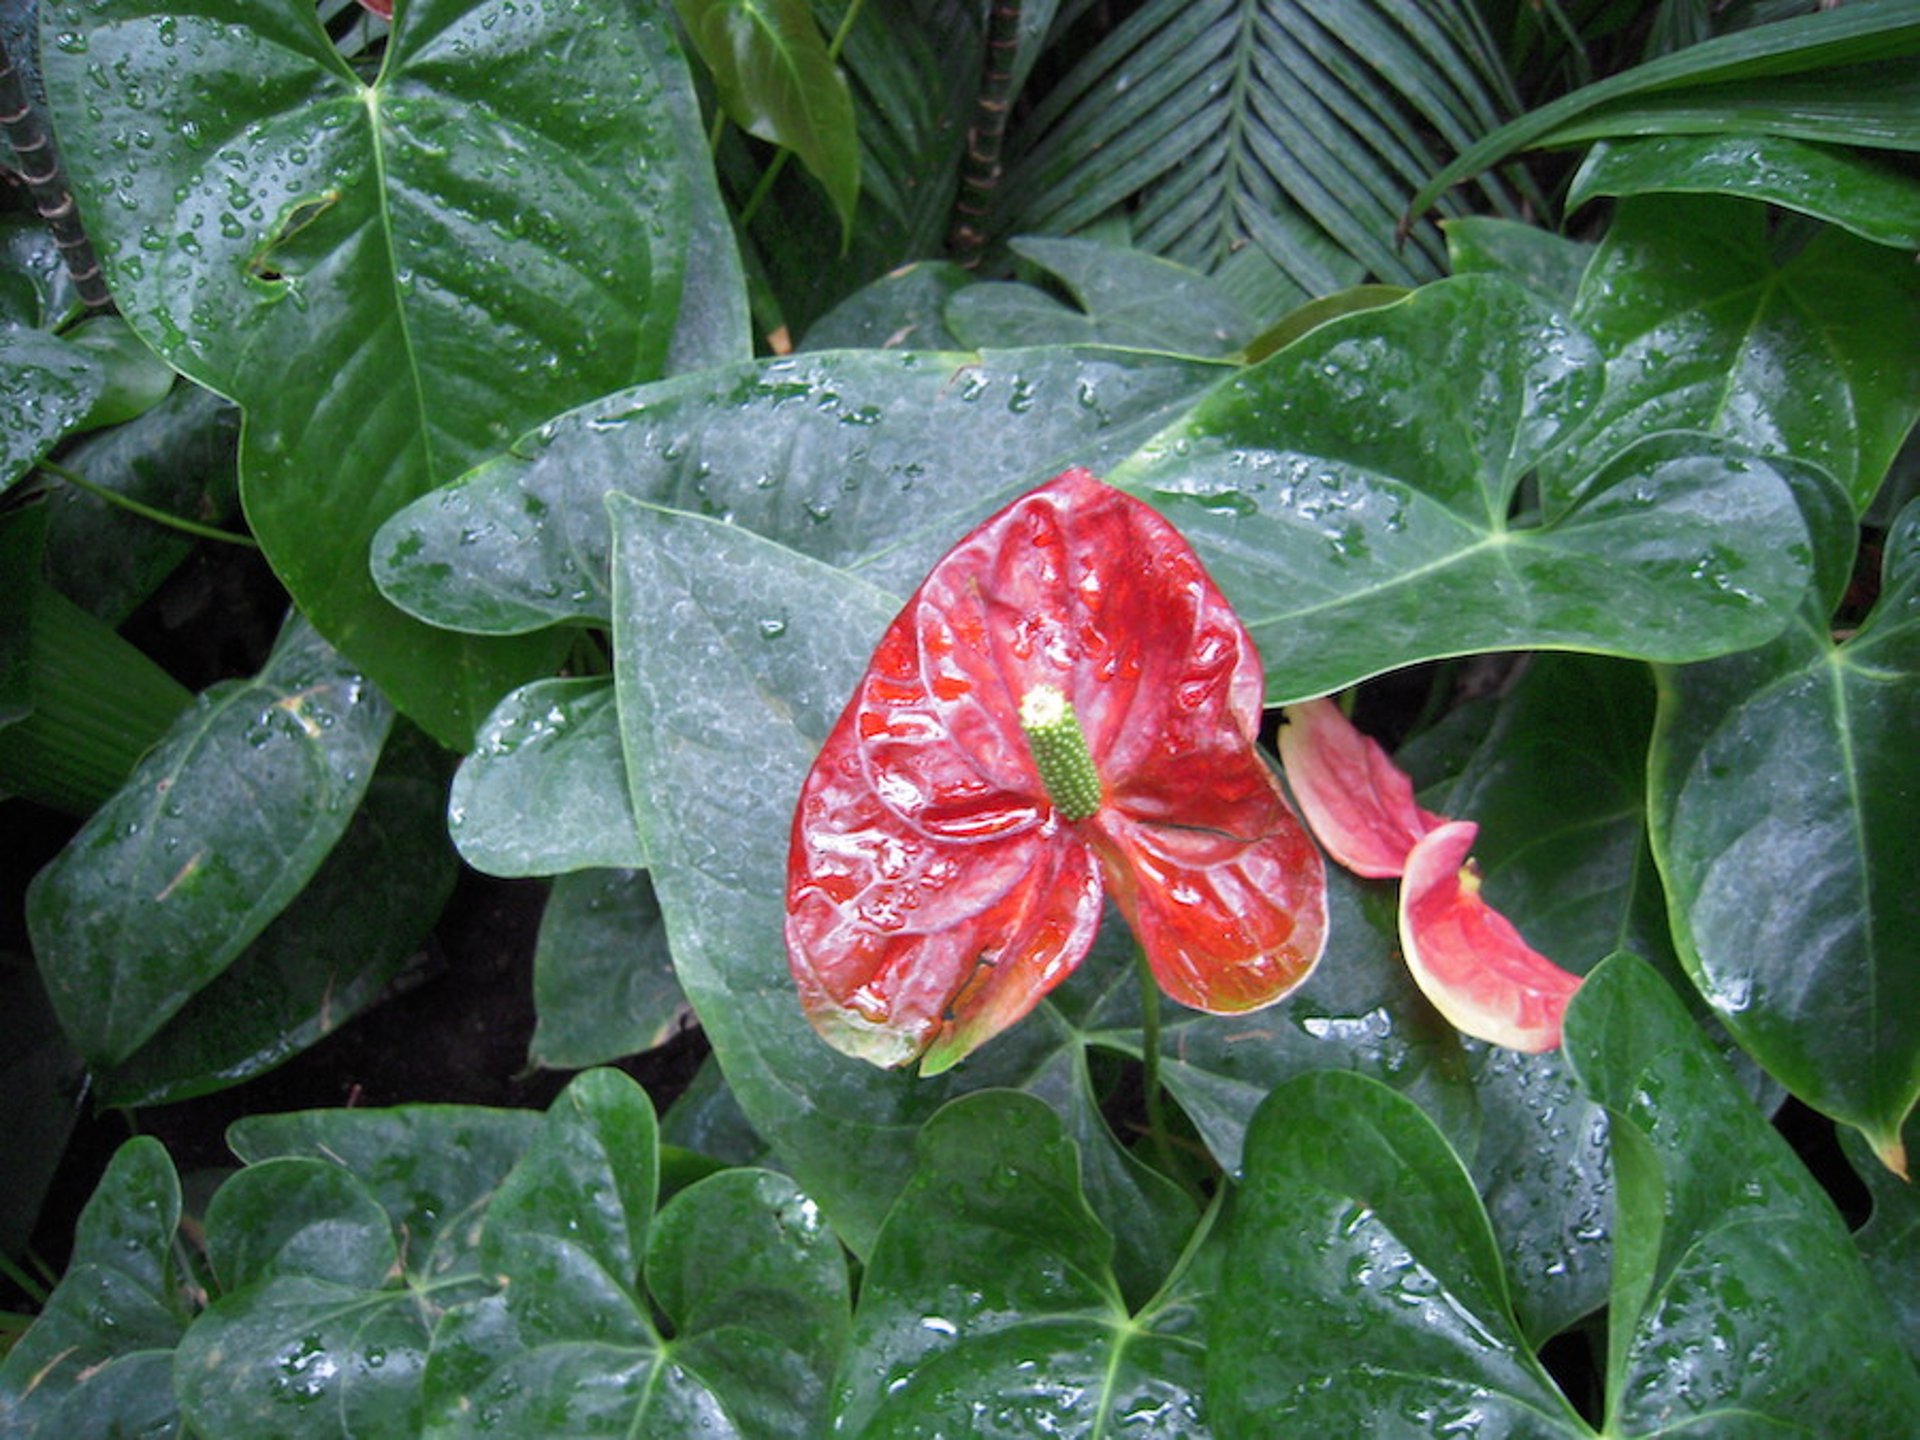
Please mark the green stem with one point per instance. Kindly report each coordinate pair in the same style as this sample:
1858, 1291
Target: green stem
146, 512
1150, 1063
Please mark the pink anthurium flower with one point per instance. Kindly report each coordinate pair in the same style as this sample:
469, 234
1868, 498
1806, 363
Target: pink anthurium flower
1357, 802
1065, 709
1466, 957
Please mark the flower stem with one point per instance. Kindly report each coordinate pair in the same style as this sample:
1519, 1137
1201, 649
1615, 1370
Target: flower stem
1150, 1063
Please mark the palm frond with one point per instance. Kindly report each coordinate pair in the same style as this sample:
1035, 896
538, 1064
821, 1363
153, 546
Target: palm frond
1301, 127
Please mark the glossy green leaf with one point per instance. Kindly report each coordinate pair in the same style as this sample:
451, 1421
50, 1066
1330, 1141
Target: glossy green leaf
544, 791
295, 1215
432, 1168
359, 258
603, 980
170, 880
35, 289
902, 310
1362, 481
326, 1321
1362, 1292
177, 458
776, 80
1126, 298
1817, 355
1890, 1240
1550, 265
725, 758
339, 1246
132, 378
751, 1283
96, 1360
873, 462
1782, 784
1724, 1245
1762, 58
989, 1305
1845, 187
46, 386
326, 957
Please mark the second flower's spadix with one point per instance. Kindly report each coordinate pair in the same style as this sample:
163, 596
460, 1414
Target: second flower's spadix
1065, 709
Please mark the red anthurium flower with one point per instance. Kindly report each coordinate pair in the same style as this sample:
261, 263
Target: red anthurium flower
1466, 956
382, 8
1066, 707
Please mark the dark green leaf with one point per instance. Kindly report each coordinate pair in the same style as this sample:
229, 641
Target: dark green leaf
46, 386
1126, 298
35, 290
874, 462
1550, 265
1890, 1240
177, 458
1724, 1245
432, 1168
292, 1215
324, 958
360, 259
989, 1306
1363, 1292
217, 830
1845, 187
1782, 784
770, 65
95, 1361
754, 1285
716, 767
1703, 329
545, 790
1363, 480
603, 981
902, 310
1702, 74
132, 378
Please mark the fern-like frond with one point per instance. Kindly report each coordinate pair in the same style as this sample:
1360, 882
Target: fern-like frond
1301, 127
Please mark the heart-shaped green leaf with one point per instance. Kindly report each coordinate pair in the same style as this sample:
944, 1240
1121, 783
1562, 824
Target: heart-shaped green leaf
603, 980
1363, 1292
175, 875
1724, 1245
869, 461
1817, 355
751, 1283
339, 1246
1781, 802
324, 958
427, 262
989, 1305
1364, 480
1890, 1240
96, 1361
46, 386
544, 791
